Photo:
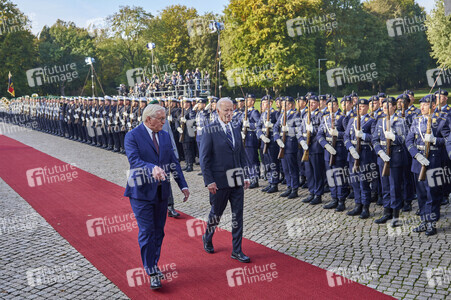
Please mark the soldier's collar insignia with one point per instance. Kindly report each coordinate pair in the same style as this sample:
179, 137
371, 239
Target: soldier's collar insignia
379, 113
366, 119
437, 114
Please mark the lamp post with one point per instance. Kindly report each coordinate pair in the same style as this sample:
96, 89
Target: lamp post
216, 26
319, 74
90, 61
151, 46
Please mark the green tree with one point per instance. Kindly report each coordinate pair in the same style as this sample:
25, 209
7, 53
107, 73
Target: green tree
439, 34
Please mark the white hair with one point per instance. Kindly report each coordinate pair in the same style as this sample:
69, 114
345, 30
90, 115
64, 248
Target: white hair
222, 100
151, 111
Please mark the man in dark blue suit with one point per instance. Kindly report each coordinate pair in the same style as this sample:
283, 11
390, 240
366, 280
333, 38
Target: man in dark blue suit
223, 163
152, 160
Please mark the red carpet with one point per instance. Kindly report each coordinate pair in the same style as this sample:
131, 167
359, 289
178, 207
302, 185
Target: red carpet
70, 205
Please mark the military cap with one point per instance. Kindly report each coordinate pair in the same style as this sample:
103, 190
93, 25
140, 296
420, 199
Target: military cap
323, 97
428, 98
310, 94
239, 99
301, 98
390, 100
108, 97
403, 97
143, 99
250, 96
353, 94
332, 99
201, 100
313, 97
442, 92
101, 99
345, 98
234, 101
288, 99
154, 101
410, 93
364, 101
266, 97
381, 95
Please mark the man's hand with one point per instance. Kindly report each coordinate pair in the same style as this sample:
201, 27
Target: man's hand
264, 139
179, 129
243, 136
333, 132
247, 184
186, 193
212, 188
383, 156
354, 153
389, 135
330, 149
169, 118
430, 138
309, 127
268, 124
421, 159
280, 143
158, 173
245, 123
304, 145
359, 133
183, 119
285, 128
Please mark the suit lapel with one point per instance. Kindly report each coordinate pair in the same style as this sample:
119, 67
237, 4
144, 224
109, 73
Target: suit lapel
146, 136
224, 136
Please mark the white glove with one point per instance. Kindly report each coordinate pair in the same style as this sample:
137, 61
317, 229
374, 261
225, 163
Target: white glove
242, 135
245, 123
304, 145
179, 129
264, 139
430, 138
421, 159
268, 124
330, 149
196, 107
309, 127
284, 128
389, 135
359, 133
354, 153
333, 132
383, 156
170, 118
280, 143
182, 119
207, 107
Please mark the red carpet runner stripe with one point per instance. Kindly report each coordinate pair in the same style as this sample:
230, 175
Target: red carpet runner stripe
94, 217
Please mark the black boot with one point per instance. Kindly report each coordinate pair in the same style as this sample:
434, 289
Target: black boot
431, 228
308, 198
184, 169
266, 188
273, 189
388, 215
293, 194
316, 200
286, 193
396, 222
303, 181
172, 212
254, 184
420, 228
444, 200
331, 204
341, 205
189, 168
407, 206
356, 211
365, 212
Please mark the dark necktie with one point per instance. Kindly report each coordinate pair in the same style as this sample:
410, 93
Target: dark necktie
229, 134
155, 142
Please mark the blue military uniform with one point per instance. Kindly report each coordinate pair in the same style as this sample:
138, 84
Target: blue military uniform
252, 143
429, 191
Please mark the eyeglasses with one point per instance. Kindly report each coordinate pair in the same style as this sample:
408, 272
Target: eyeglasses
161, 119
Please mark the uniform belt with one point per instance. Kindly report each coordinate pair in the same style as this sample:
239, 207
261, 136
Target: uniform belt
384, 143
362, 143
251, 129
329, 139
422, 148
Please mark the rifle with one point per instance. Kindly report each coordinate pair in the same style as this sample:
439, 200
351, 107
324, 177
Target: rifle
427, 147
245, 119
284, 134
386, 169
170, 104
182, 124
403, 106
268, 114
306, 154
334, 138
358, 141
131, 114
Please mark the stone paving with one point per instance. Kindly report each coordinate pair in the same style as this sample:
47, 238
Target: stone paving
398, 262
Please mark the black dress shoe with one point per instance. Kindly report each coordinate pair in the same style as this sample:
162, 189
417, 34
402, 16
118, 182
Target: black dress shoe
199, 174
316, 200
356, 211
365, 212
431, 228
388, 215
293, 194
189, 169
172, 212
155, 282
303, 181
115, 150
266, 188
241, 257
208, 246
341, 206
332, 204
407, 207
184, 169
308, 198
420, 228
417, 212
286, 193
444, 201
273, 188
254, 185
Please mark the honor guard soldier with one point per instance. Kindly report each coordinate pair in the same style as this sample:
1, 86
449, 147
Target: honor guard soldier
237, 117
330, 137
251, 143
212, 109
376, 186
361, 161
124, 106
201, 119
286, 126
70, 118
302, 109
185, 126
313, 152
269, 147
323, 104
108, 121
417, 142
442, 96
388, 138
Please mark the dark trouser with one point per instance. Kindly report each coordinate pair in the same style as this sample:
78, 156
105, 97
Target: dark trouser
218, 204
385, 184
301, 164
254, 162
272, 164
189, 148
314, 171
116, 140
338, 184
121, 139
292, 168
429, 199
409, 182
151, 218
